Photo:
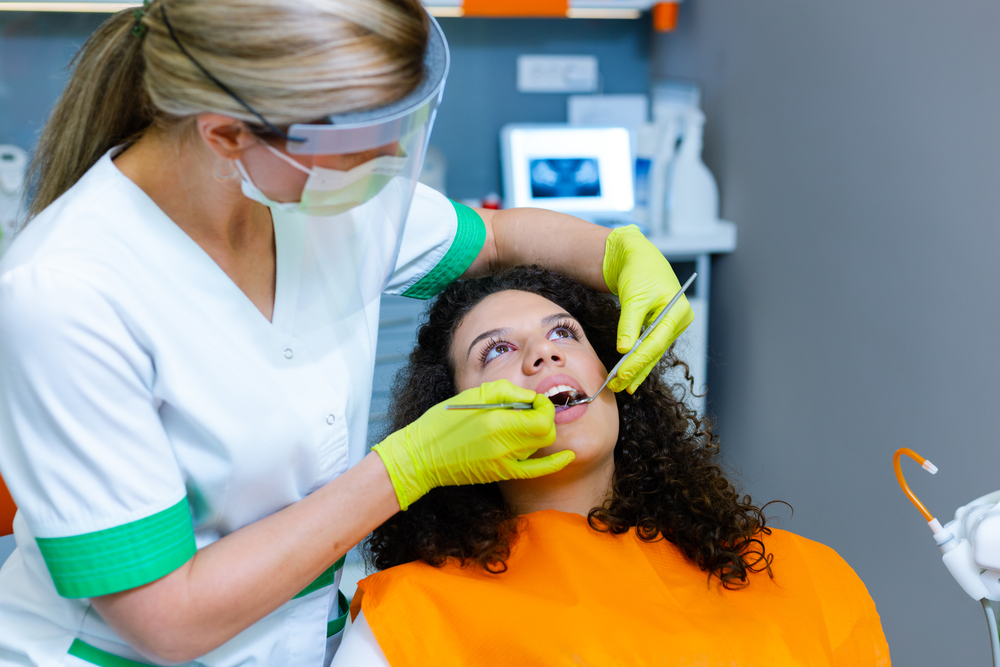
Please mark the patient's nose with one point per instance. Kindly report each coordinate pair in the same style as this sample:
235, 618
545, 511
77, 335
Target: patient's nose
545, 353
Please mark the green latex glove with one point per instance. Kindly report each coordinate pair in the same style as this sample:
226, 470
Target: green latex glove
452, 447
641, 277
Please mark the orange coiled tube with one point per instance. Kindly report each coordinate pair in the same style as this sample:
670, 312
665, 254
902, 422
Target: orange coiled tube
902, 480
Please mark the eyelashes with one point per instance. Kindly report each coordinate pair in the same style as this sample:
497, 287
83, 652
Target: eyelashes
501, 346
491, 345
570, 326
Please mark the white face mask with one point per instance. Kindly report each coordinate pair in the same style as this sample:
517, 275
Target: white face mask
329, 192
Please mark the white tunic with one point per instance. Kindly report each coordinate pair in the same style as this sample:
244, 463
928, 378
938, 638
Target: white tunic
148, 408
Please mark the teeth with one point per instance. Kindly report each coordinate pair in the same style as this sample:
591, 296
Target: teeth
559, 389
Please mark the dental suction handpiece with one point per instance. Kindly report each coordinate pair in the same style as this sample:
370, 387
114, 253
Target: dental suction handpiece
934, 524
957, 554
614, 371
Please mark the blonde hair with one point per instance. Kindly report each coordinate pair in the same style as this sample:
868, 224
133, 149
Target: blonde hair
291, 60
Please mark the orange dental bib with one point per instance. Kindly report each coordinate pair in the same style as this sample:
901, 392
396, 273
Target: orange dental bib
574, 596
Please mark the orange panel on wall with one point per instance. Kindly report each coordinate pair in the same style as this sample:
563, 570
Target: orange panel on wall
515, 7
665, 16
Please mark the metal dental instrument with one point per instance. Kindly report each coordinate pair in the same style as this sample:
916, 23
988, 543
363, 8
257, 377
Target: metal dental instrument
614, 371
490, 406
642, 337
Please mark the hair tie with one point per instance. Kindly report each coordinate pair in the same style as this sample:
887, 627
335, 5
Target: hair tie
139, 30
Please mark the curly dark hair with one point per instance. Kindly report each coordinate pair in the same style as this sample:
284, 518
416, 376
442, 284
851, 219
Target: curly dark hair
666, 482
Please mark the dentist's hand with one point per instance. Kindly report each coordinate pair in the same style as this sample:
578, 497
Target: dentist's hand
452, 447
642, 278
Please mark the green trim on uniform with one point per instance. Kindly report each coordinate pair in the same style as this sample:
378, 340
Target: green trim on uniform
469, 239
96, 656
323, 580
120, 558
343, 609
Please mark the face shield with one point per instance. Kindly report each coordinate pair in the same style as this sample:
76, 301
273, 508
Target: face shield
392, 140
359, 212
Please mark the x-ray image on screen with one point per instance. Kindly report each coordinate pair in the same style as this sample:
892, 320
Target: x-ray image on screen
565, 177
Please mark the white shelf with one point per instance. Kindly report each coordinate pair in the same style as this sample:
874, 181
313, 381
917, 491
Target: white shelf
717, 239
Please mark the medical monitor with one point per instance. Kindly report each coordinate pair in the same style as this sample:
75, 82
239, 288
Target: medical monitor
567, 168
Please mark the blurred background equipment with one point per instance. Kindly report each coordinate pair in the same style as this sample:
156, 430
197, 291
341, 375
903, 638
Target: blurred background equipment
13, 163
584, 171
692, 196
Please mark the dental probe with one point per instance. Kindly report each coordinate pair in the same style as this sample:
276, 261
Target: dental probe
614, 371
642, 337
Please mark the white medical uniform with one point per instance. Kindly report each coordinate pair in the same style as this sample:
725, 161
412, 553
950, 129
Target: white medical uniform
148, 408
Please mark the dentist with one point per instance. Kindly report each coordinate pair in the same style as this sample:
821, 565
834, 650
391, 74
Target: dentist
188, 327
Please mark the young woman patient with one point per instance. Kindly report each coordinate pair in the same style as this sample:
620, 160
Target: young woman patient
639, 552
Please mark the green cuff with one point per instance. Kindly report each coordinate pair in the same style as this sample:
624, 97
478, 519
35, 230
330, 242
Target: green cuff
120, 558
323, 580
95, 656
343, 608
469, 239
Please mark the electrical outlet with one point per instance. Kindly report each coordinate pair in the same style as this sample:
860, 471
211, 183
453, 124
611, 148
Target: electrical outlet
557, 74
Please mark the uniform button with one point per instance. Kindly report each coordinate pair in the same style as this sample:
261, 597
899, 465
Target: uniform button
288, 353
330, 419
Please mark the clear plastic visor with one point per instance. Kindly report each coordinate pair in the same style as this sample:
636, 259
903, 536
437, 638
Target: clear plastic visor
375, 128
353, 138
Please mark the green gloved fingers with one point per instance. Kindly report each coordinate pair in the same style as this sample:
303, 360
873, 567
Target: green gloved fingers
635, 312
645, 283
453, 447
631, 385
639, 365
531, 468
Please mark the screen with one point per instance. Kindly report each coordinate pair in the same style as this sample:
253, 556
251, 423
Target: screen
641, 183
565, 177
564, 168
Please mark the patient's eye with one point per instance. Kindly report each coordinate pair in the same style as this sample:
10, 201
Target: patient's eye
494, 349
565, 329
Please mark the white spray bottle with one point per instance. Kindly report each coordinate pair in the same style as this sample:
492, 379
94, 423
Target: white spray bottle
693, 196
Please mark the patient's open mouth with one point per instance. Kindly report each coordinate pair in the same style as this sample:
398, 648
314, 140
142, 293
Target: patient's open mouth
561, 395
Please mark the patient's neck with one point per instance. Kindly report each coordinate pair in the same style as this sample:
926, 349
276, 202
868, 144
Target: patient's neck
578, 488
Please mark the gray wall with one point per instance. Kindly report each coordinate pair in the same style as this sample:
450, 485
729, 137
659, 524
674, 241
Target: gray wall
857, 146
